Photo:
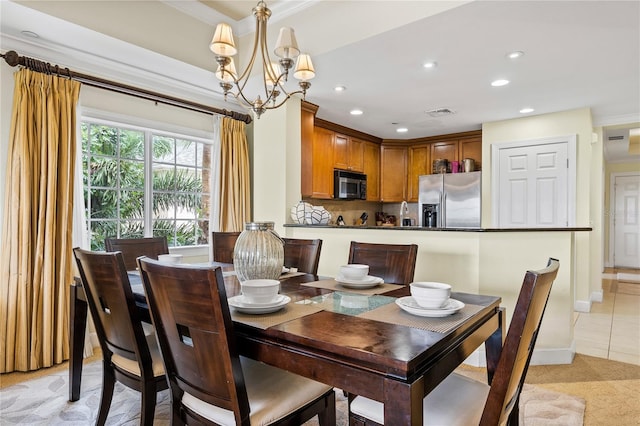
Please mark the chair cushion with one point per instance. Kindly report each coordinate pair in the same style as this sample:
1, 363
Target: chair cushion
458, 400
133, 367
273, 394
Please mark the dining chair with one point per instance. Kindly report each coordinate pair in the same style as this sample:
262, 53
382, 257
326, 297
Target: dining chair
302, 254
128, 355
222, 244
395, 263
132, 248
210, 382
459, 400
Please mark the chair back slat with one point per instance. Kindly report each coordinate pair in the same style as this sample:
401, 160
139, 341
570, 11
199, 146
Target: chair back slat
223, 244
112, 304
519, 344
395, 263
193, 324
302, 254
132, 248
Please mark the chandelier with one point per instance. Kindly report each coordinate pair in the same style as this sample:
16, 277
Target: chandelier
274, 74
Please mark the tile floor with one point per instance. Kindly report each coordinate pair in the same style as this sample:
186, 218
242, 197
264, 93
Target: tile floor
612, 329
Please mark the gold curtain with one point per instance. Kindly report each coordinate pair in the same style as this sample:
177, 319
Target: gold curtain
36, 261
235, 189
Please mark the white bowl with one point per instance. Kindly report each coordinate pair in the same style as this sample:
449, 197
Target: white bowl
429, 294
170, 258
260, 290
354, 271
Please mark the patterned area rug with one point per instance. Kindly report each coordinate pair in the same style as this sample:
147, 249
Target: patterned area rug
43, 401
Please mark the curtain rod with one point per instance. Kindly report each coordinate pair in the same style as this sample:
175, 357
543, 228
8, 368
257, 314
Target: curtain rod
13, 59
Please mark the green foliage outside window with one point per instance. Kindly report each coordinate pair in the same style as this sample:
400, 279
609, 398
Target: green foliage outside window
114, 185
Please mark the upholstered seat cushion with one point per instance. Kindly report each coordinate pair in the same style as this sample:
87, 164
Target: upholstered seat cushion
457, 401
132, 366
273, 394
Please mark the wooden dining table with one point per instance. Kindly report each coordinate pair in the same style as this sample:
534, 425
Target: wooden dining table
358, 341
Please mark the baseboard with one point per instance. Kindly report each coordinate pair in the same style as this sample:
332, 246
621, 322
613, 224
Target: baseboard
582, 306
555, 356
597, 296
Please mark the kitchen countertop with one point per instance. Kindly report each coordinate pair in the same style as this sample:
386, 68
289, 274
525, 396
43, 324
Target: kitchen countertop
420, 228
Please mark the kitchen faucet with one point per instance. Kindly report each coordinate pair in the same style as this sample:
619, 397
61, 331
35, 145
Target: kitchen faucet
404, 209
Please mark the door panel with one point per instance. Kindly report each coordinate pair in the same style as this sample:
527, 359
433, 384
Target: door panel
627, 222
533, 186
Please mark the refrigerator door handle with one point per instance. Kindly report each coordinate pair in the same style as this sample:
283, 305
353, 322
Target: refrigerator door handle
443, 214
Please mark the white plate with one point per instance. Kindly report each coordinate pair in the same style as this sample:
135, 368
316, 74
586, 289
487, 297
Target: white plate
368, 282
410, 305
239, 304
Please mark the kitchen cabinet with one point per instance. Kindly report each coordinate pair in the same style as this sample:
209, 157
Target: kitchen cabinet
393, 173
419, 163
371, 167
322, 164
348, 153
446, 150
471, 148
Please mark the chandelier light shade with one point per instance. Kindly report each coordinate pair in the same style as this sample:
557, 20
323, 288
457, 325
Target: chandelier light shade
274, 73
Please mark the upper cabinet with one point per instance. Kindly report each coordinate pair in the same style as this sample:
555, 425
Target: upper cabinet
419, 164
444, 151
371, 158
393, 173
471, 148
348, 153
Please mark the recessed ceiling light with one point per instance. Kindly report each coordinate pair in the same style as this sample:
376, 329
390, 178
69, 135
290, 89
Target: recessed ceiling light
355, 112
30, 34
526, 110
402, 130
430, 65
515, 55
339, 88
498, 83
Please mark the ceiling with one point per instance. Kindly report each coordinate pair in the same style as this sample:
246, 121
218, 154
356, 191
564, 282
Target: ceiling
577, 54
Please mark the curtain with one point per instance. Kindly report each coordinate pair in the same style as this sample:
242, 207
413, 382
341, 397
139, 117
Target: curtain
36, 261
235, 189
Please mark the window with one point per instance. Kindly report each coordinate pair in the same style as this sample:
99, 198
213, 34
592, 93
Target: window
140, 182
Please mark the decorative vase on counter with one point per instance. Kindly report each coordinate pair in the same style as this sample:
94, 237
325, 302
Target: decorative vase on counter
259, 252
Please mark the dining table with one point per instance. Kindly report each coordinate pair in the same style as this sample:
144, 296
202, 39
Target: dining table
358, 340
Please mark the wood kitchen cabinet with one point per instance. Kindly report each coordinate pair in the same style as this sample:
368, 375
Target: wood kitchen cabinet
471, 148
322, 164
348, 153
393, 173
419, 163
447, 150
371, 168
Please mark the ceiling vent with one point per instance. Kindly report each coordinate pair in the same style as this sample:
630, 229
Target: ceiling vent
616, 138
439, 112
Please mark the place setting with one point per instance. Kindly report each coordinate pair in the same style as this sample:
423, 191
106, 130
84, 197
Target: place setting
430, 299
259, 296
357, 276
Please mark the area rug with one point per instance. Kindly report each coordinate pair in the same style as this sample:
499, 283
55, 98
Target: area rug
43, 401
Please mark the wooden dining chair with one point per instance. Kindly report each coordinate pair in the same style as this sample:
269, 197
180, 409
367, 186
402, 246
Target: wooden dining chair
458, 400
302, 254
128, 355
395, 263
132, 248
210, 382
222, 244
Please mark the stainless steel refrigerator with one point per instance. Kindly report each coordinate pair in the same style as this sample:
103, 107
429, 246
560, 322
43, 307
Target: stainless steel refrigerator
450, 200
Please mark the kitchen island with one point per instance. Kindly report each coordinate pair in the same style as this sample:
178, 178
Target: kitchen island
480, 260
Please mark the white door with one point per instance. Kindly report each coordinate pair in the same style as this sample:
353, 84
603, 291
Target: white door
626, 221
534, 186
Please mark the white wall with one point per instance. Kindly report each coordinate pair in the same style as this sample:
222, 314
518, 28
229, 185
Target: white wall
589, 156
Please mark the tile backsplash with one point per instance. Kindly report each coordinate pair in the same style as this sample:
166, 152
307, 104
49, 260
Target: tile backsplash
351, 210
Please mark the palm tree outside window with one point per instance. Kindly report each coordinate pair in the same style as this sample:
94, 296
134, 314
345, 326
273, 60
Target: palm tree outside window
141, 183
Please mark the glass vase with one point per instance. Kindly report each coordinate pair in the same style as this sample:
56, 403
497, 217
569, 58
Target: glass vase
259, 252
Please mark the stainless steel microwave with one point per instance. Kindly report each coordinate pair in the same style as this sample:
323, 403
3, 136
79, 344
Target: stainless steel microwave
349, 185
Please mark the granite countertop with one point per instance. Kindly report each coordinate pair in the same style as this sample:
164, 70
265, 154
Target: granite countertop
420, 228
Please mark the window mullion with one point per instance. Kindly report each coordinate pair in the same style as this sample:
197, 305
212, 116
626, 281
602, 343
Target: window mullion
148, 184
